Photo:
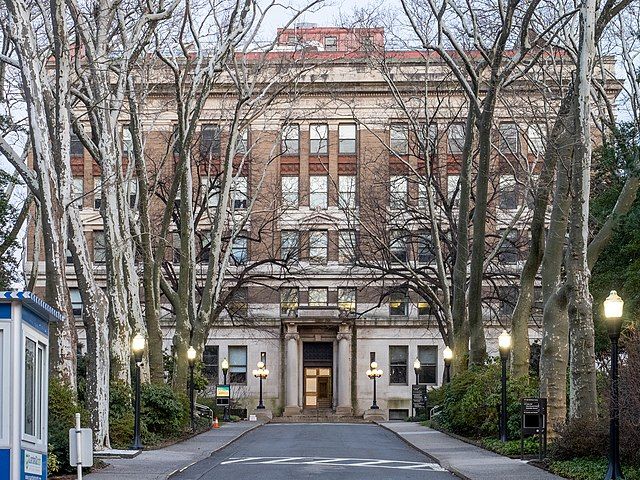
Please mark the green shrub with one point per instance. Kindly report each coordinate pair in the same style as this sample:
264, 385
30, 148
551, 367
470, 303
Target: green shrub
164, 412
53, 464
589, 469
588, 437
511, 448
470, 402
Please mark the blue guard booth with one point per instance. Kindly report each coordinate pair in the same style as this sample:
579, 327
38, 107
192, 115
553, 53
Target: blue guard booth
24, 379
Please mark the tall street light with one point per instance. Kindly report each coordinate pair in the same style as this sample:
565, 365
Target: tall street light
137, 346
373, 373
262, 373
416, 368
191, 356
447, 355
504, 345
613, 313
225, 369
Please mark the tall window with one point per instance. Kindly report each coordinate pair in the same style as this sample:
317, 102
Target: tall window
535, 135
238, 365
424, 307
240, 250
210, 191
131, 191
210, 140
205, 249
398, 303
399, 138
508, 297
509, 138
289, 244
508, 253
428, 356
290, 186
331, 44
99, 247
318, 297
426, 252
456, 138
318, 246
347, 299
398, 188
77, 191
429, 140
347, 191
508, 192
239, 189
242, 146
210, 363
290, 139
127, 140
238, 305
453, 190
34, 356
318, 139
289, 301
347, 246
75, 147
347, 138
318, 192
398, 364
398, 245
97, 192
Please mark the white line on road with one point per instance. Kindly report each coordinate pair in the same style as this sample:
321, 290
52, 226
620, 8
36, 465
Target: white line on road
337, 462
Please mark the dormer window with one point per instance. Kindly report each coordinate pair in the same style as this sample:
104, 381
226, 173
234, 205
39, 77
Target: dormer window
331, 44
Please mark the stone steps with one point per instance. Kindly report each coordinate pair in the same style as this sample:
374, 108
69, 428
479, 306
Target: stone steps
329, 417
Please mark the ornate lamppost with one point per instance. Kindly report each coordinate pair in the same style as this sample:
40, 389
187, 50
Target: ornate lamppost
416, 368
225, 369
374, 373
447, 355
191, 357
613, 306
504, 345
262, 373
137, 346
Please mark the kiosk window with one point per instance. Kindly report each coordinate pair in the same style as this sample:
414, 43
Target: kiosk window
33, 371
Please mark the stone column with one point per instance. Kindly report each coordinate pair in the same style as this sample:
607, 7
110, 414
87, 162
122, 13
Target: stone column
291, 365
344, 371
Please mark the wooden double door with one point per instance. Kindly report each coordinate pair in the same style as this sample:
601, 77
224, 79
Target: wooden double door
318, 374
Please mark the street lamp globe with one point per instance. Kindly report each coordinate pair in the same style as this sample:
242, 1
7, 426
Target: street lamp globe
374, 365
255, 373
369, 373
191, 355
447, 354
225, 364
416, 364
137, 345
260, 365
613, 307
504, 344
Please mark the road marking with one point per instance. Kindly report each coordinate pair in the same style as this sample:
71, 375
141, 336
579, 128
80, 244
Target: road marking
337, 462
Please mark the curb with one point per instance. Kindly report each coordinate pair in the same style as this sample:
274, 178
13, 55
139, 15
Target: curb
221, 447
449, 467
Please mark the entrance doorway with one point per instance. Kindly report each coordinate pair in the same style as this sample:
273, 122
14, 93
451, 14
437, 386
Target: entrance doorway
318, 374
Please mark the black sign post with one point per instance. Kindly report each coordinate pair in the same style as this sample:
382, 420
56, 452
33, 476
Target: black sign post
419, 398
534, 422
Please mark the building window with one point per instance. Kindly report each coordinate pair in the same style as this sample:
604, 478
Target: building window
347, 191
347, 299
99, 247
453, 190
240, 250
509, 253
210, 140
398, 246
131, 192
398, 304
127, 140
289, 301
347, 138
536, 137
77, 191
429, 140
238, 365
398, 414
210, 191
239, 192
318, 191
428, 356
76, 149
508, 192
34, 357
97, 192
508, 297
398, 192
424, 307
210, 363
399, 138
175, 140
456, 138
331, 44
290, 187
509, 138
398, 364
318, 139
318, 297
426, 252
289, 244
238, 305
69, 257
290, 140
205, 249
318, 246
242, 145
347, 246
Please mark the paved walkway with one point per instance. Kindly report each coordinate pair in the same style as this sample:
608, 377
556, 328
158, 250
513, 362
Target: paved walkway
466, 460
160, 464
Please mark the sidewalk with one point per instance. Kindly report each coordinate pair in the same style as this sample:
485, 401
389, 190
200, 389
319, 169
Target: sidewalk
159, 464
463, 459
